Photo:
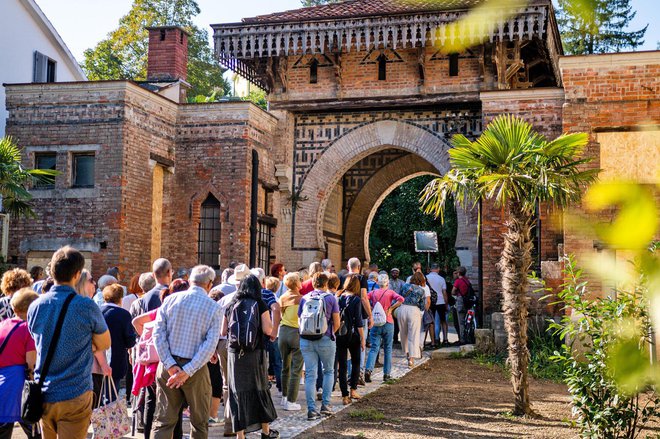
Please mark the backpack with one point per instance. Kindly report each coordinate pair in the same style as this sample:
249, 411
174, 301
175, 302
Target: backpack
470, 298
146, 346
244, 323
434, 295
378, 313
313, 322
346, 319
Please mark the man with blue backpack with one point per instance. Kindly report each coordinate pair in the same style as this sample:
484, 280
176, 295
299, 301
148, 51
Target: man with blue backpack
318, 317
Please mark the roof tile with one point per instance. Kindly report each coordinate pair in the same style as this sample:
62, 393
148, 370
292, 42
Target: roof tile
363, 8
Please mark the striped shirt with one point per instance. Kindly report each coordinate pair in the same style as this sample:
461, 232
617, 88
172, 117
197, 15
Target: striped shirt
187, 326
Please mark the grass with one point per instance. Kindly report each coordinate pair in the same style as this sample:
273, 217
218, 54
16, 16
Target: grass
541, 348
369, 414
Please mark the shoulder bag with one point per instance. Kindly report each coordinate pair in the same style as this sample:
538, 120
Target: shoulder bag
32, 400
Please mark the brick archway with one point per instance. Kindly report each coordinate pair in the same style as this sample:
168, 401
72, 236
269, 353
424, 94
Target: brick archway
372, 195
344, 153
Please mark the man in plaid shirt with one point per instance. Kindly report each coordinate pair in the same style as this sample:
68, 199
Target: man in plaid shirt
186, 334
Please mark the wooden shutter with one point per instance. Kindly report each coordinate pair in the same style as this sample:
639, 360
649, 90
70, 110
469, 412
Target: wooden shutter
40, 67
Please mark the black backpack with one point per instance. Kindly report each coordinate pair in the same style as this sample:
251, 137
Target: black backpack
346, 327
244, 326
470, 298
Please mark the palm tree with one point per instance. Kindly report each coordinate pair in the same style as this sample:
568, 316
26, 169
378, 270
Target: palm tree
15, 180
516, 168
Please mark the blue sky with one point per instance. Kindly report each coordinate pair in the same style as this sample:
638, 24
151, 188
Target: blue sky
83, 23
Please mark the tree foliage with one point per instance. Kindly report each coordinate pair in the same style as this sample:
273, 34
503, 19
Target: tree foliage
598, 26
391, 241
123, 54
15, 180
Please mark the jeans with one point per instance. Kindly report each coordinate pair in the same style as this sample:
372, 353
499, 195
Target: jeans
363, 354
292, 362
274, 361
344, 346
460, 308
381, 334
313, 351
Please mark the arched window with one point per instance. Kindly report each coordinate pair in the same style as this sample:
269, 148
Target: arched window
382, 67
208, 244
314, 71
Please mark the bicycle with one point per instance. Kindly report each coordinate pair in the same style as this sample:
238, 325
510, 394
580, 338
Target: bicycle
470, 326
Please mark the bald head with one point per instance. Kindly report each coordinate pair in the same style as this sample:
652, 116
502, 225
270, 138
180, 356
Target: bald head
162, 269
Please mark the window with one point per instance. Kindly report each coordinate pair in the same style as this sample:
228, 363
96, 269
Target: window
44, 69
47, 160
382, 67
83, 170
313, 71
265, 228
208, 243
453, 64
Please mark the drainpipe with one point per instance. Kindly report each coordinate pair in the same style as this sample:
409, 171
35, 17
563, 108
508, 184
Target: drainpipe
254, 198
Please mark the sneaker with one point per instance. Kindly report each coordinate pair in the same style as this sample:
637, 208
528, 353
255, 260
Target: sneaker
213, 420
387, 378
326, 411
319, 395
361, 381
346, 400
283, 401
367, 376
313, 415
291, 406
378, 365
273, 434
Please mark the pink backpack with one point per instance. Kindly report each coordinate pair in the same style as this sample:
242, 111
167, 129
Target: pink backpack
146, 346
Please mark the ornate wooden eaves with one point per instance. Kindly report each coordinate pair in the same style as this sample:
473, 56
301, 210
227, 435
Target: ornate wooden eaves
243, 47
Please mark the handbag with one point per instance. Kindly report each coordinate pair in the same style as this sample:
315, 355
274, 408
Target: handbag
427, 319
32, 399
110, 421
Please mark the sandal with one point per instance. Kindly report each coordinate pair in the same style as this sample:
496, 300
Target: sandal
355, 395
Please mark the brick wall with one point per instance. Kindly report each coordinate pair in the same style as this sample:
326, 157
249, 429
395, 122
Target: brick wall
358, 75
168, 54
614, 93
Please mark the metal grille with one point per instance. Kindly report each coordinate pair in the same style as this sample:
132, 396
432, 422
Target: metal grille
208, 245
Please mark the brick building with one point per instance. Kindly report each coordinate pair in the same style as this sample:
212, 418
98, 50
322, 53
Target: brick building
361, 99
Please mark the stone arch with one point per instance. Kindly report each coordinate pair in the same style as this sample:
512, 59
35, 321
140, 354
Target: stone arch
372, 195
343, 154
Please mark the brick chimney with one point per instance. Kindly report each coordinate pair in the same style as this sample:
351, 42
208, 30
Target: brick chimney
168, 54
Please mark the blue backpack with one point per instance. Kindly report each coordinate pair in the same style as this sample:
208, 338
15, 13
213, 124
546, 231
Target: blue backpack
244, 326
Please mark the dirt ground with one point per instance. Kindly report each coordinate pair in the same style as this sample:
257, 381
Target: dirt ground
453, 398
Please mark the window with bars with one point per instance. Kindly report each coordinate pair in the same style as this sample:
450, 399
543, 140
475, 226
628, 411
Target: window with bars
208, 244
265, 227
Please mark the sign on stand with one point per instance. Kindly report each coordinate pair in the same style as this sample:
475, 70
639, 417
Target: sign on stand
426, 242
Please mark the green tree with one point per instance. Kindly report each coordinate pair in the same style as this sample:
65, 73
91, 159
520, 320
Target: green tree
391, 238
15, 180
597, 26
123, 54
516, 168
308, 3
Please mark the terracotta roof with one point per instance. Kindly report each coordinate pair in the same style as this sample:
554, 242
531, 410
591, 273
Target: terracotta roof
364, 8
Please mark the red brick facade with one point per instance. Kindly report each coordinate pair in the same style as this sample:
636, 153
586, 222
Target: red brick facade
168, 54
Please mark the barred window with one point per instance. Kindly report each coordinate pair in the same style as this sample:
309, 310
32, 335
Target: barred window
208, 244
265, 227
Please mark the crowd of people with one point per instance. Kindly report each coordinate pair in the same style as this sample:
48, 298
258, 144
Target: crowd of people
189, 342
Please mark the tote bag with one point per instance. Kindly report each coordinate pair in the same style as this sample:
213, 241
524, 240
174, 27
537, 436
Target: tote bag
110, 421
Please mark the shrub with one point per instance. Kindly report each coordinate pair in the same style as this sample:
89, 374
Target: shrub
593, 335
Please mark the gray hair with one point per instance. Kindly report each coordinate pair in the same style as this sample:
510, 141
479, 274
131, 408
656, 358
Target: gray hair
315, 267
373, 276
226, 273
106, 280
354, 264
326, 264
147, 281
383, 280
161, 267
85, 275
202, 275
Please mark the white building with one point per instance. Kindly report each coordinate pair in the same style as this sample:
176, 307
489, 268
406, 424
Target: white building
31, 50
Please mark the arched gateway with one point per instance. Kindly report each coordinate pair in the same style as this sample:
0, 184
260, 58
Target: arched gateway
367, 98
